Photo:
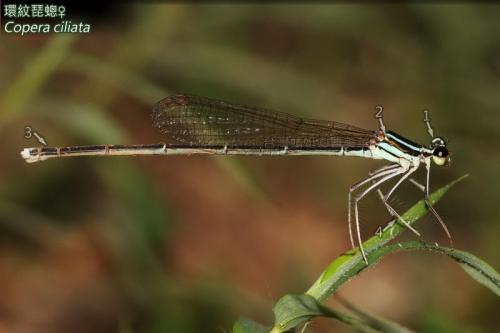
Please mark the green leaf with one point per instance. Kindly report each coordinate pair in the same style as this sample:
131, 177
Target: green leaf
351, 263
478, 270
245, 325
294, 310
475, 267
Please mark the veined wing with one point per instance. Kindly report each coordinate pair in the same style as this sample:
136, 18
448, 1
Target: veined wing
200, 121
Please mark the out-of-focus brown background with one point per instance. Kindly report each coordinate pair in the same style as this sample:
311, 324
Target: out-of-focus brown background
188, 244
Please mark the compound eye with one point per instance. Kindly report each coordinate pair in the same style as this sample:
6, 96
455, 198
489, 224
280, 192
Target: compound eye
440, 156
441, 152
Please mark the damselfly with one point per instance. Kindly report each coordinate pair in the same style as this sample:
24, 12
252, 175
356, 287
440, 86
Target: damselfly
206, 126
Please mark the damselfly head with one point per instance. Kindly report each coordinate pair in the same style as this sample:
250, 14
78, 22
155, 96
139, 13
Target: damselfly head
440, 154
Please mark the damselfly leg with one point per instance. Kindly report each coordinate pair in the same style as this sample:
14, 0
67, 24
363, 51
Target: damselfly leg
392, 211
382, 168
429, 204
430, 130
373, 176
417, 184
387, 174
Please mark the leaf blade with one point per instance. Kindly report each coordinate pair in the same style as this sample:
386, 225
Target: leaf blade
245, 325
477, 268
351, 263
293, 310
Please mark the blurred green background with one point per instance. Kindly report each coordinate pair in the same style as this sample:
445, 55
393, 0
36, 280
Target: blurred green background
188, 244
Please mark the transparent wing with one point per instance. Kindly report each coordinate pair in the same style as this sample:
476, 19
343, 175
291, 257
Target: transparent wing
200, 121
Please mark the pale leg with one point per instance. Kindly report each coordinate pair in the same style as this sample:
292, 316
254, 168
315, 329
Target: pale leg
391, 174
374, 175
382, 168
429, 205
392, 210
417, 184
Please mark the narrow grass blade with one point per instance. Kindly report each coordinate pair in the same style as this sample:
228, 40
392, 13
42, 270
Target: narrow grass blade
292, 311
31, 80
478, 269
351, 263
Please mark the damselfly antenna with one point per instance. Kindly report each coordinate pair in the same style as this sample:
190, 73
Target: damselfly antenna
380, 116
427, 121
